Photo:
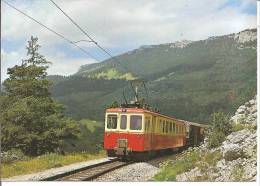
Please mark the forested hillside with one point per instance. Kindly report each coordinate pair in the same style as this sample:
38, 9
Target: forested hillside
186, 79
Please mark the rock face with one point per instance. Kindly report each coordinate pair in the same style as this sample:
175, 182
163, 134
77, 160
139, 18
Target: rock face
181, 44
246, 114
238, 160
245, 36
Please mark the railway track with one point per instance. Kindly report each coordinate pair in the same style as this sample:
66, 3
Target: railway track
90, 172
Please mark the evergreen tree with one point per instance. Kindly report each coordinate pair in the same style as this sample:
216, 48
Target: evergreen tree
31, 120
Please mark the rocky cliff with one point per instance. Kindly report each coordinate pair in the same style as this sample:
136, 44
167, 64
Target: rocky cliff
238, 159
246, 114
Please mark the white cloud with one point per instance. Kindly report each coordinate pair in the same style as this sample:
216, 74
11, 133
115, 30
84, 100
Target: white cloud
126, 23
61, 64
9, 59
122, 24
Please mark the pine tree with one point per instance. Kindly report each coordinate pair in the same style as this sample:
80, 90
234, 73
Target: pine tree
31, 120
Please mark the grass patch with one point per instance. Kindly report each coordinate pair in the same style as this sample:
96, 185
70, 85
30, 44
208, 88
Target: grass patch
237, 173
114, 74
44, 162
238, 127
212, 158
186, 162
182, 164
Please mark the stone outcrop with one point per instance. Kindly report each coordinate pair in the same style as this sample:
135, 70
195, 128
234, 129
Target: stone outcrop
246, 36
247, 113
238, 160
181, 44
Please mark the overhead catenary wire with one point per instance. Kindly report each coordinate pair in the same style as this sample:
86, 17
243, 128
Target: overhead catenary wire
84, 32
51, 30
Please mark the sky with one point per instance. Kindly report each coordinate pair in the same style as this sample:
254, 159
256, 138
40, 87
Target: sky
118, 26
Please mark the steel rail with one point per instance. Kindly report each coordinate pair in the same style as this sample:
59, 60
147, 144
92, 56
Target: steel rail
88, 173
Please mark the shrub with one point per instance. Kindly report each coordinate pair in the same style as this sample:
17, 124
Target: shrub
220, 126
216, 139
220, 122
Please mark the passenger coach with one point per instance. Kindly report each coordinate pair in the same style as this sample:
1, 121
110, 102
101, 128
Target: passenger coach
137, 131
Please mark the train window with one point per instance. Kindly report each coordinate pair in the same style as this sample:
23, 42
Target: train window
170, 127
136, 122
123, 122
174, 129
161, 126
164, 126
147, 124
167, 127
112, 121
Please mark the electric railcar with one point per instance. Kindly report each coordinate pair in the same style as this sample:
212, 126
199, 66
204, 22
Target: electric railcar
138, 131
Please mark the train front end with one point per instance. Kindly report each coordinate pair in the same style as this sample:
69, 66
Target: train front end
124, 132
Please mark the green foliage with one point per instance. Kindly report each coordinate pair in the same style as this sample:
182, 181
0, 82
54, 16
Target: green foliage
87, 97
220, 123
31, 120
90, 139
220, 126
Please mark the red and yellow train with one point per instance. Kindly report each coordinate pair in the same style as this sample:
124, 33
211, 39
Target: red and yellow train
138, 131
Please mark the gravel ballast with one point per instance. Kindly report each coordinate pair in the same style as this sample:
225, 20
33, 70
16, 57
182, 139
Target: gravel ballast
141, 171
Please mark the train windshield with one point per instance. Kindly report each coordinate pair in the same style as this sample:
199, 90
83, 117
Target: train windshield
123, 122
112, 121
136, 122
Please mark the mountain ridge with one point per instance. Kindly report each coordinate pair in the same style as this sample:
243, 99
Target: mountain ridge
189, 81
239, 37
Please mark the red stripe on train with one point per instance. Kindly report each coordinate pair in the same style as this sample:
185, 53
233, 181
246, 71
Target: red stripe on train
143, 142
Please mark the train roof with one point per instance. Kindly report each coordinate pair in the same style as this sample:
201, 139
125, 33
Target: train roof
141, 110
